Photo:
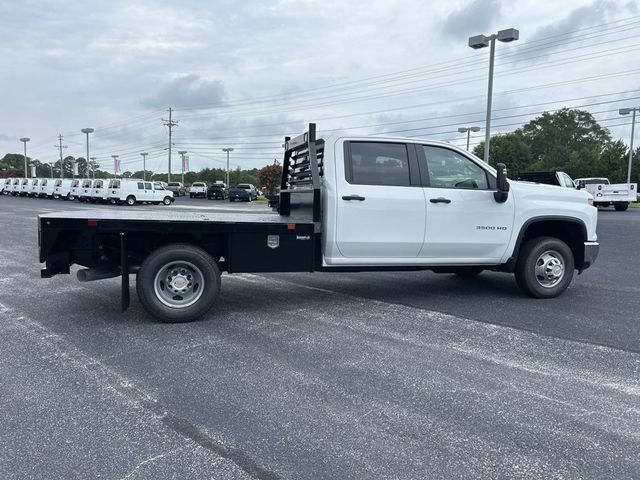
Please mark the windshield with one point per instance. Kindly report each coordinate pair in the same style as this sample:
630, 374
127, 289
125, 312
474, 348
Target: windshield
158, 186
98, 184
114, 184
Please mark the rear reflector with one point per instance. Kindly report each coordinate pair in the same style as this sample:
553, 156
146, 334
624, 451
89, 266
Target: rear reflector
92, 223
291, 226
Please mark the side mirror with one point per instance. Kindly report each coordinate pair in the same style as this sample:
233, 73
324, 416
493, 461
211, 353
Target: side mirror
502, 193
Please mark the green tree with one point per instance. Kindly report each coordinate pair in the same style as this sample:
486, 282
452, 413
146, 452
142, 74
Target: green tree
565, 139
510, 149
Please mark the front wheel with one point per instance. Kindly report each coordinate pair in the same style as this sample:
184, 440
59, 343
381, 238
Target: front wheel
178, 283
621, 207
545, 267
166, 201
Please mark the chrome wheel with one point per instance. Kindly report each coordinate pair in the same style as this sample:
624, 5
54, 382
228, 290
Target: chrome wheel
550, 269
179, 284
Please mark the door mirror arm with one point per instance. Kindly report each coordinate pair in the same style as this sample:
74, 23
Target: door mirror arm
502, 192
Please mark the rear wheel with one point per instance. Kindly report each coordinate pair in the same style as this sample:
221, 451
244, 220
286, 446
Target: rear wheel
178, 283
545, 267
131, 200
621, 207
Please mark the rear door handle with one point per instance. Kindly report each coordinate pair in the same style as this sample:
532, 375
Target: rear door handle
440, 200
353, 197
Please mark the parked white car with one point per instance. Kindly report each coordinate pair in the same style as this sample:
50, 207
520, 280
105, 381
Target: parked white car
198, 189
85, 190
46, 187
132, 191
605, 194
62, 188
99, 191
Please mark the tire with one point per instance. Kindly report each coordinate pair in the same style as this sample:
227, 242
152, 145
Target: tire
468, 272
56, 197
538, 268
131, 200
166, 200
193, 265
71, 198
621, 207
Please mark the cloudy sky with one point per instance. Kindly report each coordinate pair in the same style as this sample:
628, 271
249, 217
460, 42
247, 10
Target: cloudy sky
245, 73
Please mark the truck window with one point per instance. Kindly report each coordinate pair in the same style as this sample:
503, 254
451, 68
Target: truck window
377, 163
448, 169
147, 186
140, 186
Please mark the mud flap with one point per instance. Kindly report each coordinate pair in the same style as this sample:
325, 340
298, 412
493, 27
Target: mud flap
124, 269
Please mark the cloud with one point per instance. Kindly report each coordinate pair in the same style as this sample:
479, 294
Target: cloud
596, 13
186, 91
473, 19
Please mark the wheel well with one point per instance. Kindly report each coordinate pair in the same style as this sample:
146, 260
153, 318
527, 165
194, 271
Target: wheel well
570, 232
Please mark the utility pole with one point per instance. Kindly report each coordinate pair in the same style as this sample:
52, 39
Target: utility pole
169, 123
227, 150
93, 170
60, 147
144, 165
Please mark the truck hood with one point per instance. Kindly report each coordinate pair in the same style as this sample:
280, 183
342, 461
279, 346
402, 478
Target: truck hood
539, 190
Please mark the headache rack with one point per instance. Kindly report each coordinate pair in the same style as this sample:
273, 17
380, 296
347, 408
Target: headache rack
302, 169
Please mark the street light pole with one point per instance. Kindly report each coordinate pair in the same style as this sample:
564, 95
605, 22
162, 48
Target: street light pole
87, 131
481, 41
115, 165
182, 154
144, 165
468, 131
627, 111
25, 140
227, 149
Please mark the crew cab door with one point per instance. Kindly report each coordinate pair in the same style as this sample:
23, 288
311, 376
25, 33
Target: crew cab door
465, 224
380, 210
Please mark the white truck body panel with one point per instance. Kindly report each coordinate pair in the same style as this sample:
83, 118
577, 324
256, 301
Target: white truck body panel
62, 187
99, 190
399, 225
47, 186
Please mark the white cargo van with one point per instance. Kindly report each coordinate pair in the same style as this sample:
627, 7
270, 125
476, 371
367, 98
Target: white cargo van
46, 187
6, 185
99, 191
132, 191
85, 190
24, 187
15, 186
76, 184
62, 188
34, 187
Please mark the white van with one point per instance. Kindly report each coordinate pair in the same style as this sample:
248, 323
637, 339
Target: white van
99, 191
85, 190
15, 186
76, 184
34, 187
24, 187
46, 187
6, 185
132, 191
62, 188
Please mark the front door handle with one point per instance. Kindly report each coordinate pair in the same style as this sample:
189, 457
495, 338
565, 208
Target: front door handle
353, 197
440, 200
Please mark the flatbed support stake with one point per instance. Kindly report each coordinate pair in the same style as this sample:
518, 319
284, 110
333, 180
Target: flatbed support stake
124, 269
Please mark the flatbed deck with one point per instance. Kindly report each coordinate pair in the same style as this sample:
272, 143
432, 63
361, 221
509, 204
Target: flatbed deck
178, 216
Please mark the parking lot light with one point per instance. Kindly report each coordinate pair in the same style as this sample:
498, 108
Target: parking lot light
87, 131
627, 111
468, 131
480, 41
25, 140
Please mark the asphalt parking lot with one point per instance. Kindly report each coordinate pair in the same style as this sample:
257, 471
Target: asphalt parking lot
321, 376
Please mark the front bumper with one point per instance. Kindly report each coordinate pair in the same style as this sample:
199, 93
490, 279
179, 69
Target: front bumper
591, 250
